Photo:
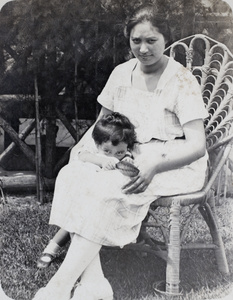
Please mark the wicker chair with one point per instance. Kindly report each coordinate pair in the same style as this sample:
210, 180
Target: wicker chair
212, 64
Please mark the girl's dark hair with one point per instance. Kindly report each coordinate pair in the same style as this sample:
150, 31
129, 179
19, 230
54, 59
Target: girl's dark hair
116, 128
151, 14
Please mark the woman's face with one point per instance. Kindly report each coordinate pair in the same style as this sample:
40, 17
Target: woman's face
147, 43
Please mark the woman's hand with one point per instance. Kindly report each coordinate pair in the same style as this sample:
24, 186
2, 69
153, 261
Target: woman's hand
139, 183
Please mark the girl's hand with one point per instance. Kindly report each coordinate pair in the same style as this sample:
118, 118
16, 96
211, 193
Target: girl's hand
109, 163
128, 159
139, 184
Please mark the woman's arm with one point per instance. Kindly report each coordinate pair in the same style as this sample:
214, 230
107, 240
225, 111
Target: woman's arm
103, 111
102, 161
87, 138
176, 154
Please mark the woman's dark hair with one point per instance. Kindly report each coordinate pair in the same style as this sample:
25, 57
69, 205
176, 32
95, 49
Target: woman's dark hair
116, 128
149, 13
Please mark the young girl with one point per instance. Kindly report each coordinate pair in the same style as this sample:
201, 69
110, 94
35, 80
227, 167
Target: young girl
114, 138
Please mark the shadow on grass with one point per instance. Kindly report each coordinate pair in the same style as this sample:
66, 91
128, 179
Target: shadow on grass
24, 232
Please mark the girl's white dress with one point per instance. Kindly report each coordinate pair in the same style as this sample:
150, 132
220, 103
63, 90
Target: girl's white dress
88, 200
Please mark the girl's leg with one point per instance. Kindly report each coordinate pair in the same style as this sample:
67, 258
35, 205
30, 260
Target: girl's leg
80, 253
60, 239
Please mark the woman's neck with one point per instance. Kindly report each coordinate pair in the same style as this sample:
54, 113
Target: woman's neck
146, 77
158, 67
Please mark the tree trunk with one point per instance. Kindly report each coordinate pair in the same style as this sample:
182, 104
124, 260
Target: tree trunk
50, 104
50, 142
62, 162
39, 181
188, 18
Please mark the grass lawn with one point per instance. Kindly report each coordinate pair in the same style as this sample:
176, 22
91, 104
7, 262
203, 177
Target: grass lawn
24, 232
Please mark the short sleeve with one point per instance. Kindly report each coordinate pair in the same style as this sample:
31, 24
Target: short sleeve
106, 97
120, 76
189, 104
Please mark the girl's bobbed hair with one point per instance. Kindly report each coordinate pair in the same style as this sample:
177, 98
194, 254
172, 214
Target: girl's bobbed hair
148, 13
116, 128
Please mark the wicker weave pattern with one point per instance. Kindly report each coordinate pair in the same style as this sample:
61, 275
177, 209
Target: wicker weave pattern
212, 64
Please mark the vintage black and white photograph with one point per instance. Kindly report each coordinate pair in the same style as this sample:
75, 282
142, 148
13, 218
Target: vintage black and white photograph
116, 159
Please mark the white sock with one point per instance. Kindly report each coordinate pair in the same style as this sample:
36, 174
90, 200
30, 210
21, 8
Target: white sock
52, 248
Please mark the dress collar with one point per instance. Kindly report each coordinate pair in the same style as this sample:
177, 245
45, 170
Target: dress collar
170, 70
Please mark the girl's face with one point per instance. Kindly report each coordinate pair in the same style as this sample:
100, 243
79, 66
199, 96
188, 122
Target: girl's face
147, 43
108, 149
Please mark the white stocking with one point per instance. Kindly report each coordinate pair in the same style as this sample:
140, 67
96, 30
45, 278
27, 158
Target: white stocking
94, 272
93, 284
80, 254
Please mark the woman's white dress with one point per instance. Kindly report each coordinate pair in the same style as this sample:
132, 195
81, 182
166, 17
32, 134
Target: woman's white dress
88, 200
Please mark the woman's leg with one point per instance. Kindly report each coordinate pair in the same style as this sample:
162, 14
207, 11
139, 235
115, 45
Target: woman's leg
93, 284
81, 252
94, 272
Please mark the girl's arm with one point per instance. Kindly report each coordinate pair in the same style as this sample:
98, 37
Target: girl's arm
176, 154
103, 161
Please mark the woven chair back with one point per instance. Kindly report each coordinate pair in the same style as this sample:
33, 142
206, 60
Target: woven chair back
212, 64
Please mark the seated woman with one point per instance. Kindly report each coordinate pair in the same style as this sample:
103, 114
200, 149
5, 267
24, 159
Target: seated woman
163, 101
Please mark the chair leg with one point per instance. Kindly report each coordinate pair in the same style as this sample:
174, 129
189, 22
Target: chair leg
173, 261
216, 236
